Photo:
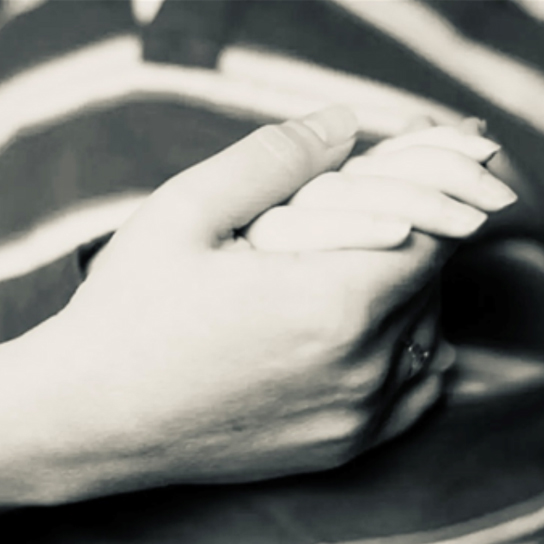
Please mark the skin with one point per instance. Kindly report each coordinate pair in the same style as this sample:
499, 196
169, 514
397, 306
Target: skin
189, 356
432, 180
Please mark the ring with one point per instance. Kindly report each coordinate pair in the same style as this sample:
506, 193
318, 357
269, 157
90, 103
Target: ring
418, 358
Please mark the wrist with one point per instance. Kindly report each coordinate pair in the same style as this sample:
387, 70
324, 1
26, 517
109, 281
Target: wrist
59, 443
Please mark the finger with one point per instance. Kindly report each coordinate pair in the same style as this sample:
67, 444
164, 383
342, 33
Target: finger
473, 126
417, 400
451, 138
426, 209
424, 348
260, 171
287, 228
418, 345
447, 171
444, 357
421, 122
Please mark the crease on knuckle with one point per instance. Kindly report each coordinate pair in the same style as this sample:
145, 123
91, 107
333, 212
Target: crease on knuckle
287, 148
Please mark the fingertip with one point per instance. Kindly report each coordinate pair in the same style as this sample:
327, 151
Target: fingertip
445, 357
334, 126
394, 233
462, 221
496, 195
482, 149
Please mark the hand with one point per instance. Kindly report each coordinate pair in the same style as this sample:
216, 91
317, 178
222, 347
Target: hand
398, 408
187, 357
431, 180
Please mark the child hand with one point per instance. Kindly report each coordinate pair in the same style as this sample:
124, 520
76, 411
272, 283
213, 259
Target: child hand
431, 180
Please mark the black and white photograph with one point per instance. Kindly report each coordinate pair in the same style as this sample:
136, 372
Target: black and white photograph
272, 271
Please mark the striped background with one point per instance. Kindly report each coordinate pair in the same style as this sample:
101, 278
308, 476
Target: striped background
101, 101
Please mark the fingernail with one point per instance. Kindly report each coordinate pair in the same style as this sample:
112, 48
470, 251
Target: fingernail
464, 220
334, 126
497, 194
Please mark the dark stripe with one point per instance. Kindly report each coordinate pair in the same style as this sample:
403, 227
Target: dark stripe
28, 300
133, 146
58, 27
191, 32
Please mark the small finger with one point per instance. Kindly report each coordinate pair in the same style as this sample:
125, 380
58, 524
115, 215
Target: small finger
473, 126
451, 138
425, 208
412, 406
444, 357
289, 229
421, 122
447, 171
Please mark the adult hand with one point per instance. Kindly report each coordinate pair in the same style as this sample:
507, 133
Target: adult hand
187, 356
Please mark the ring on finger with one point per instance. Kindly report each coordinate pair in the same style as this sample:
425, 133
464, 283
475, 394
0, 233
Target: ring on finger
417, 360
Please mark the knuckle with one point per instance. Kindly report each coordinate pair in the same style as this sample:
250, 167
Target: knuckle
346, 320
341, 308
349, 427
367, 377
190, 205
290, 150
342, 434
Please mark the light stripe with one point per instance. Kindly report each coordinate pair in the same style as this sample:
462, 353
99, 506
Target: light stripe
112, 71
508, 83
534, 8
14, 8
61, 234
383, 109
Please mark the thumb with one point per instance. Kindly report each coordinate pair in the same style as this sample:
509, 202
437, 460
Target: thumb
232, 188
